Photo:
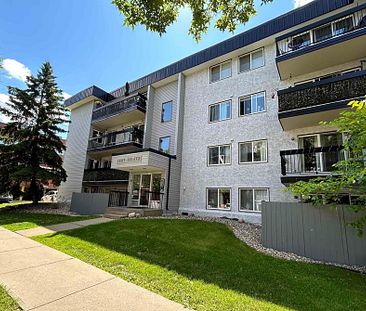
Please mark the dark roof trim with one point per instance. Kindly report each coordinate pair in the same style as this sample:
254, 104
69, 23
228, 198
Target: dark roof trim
90, 91
295, 17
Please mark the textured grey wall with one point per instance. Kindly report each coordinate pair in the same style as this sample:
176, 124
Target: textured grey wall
89, 203
320, 233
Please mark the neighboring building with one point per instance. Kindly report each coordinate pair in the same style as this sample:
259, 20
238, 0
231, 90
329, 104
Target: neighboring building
220, 131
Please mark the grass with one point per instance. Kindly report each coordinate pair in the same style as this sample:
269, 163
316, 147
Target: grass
15, 221
14, 203
203, 266
6, 302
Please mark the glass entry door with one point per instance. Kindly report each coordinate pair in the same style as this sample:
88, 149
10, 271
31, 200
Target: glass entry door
146, 188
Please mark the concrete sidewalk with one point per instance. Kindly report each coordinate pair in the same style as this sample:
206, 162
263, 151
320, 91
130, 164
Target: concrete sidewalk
41, 278
63, 227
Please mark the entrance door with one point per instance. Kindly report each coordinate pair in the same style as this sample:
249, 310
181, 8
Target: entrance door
145, 189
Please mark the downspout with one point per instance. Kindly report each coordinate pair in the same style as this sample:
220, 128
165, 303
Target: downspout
168, 185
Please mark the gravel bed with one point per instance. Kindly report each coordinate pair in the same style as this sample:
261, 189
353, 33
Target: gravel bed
250, 234
44, 208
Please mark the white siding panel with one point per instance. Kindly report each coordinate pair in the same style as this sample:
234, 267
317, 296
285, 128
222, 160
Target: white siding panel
75, 154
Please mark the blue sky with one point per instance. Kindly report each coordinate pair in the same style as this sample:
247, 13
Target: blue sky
87, 44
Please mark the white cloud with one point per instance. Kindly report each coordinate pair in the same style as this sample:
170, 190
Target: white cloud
299, 3
66, 95
3, 99
16, 69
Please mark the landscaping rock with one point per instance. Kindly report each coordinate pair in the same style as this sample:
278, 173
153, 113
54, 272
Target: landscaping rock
131, 215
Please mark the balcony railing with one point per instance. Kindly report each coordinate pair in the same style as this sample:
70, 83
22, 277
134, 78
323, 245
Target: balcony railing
104, 174
134, 102
118, 199
310, 161
321, 33
116, 139
334, 89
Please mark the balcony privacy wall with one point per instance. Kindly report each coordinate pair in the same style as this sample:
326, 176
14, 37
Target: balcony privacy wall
106, 174
331, 90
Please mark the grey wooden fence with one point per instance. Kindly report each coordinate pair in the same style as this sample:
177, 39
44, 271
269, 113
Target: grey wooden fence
321, 233
89, 203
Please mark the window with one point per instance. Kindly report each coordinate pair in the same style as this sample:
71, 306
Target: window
300, 41
252, 104
218, 198
251, 199
220, 111
166, 111
253, 151
164, 144
219, 155
322, 33
342, 26
220, 71
251, 61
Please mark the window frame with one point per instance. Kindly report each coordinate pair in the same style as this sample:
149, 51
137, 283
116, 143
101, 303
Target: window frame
252, 142
219, 103
162, 111
253, 189
220, 65
218, 197
251, 60
219, 146
251, 96
160, 139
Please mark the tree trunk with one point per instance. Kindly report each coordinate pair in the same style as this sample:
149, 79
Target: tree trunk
34, 190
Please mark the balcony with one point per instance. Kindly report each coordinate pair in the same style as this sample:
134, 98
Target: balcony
305, 164
129, 109
104, 175
120, 141
332, 41
307, 104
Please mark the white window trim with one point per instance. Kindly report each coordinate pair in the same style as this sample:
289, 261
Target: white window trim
218, 146
219, 103
217, 208
253, 141
251, 61
251, 96
220, 65
253, 196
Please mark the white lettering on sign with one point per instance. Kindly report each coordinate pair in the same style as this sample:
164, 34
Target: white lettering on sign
129, 160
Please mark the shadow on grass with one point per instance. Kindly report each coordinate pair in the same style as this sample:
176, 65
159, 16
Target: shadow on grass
210, 253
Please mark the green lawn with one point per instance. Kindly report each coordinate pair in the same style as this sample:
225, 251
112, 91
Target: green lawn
6, 302
18, 221
203, 266
14, 203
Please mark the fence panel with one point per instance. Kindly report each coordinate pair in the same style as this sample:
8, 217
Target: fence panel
321, 233
89, 203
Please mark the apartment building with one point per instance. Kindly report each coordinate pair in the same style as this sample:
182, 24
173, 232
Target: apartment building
222, 130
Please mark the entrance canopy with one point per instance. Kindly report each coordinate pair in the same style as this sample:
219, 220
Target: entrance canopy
144, 161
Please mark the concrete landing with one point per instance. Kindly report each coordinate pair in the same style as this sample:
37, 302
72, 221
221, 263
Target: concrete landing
43, 279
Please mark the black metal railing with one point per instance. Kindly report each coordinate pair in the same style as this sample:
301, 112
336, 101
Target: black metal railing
310, 161
115, 139
118, 198
305, 38
151, 199
134, 102
334, 89
104, 174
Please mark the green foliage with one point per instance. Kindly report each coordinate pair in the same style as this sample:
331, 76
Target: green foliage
157, 15
349, 176
30, 145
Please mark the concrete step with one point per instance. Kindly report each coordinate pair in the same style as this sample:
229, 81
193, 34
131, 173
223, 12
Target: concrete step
115, 216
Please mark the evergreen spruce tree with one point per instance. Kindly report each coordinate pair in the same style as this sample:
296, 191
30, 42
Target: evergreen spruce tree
30, 145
